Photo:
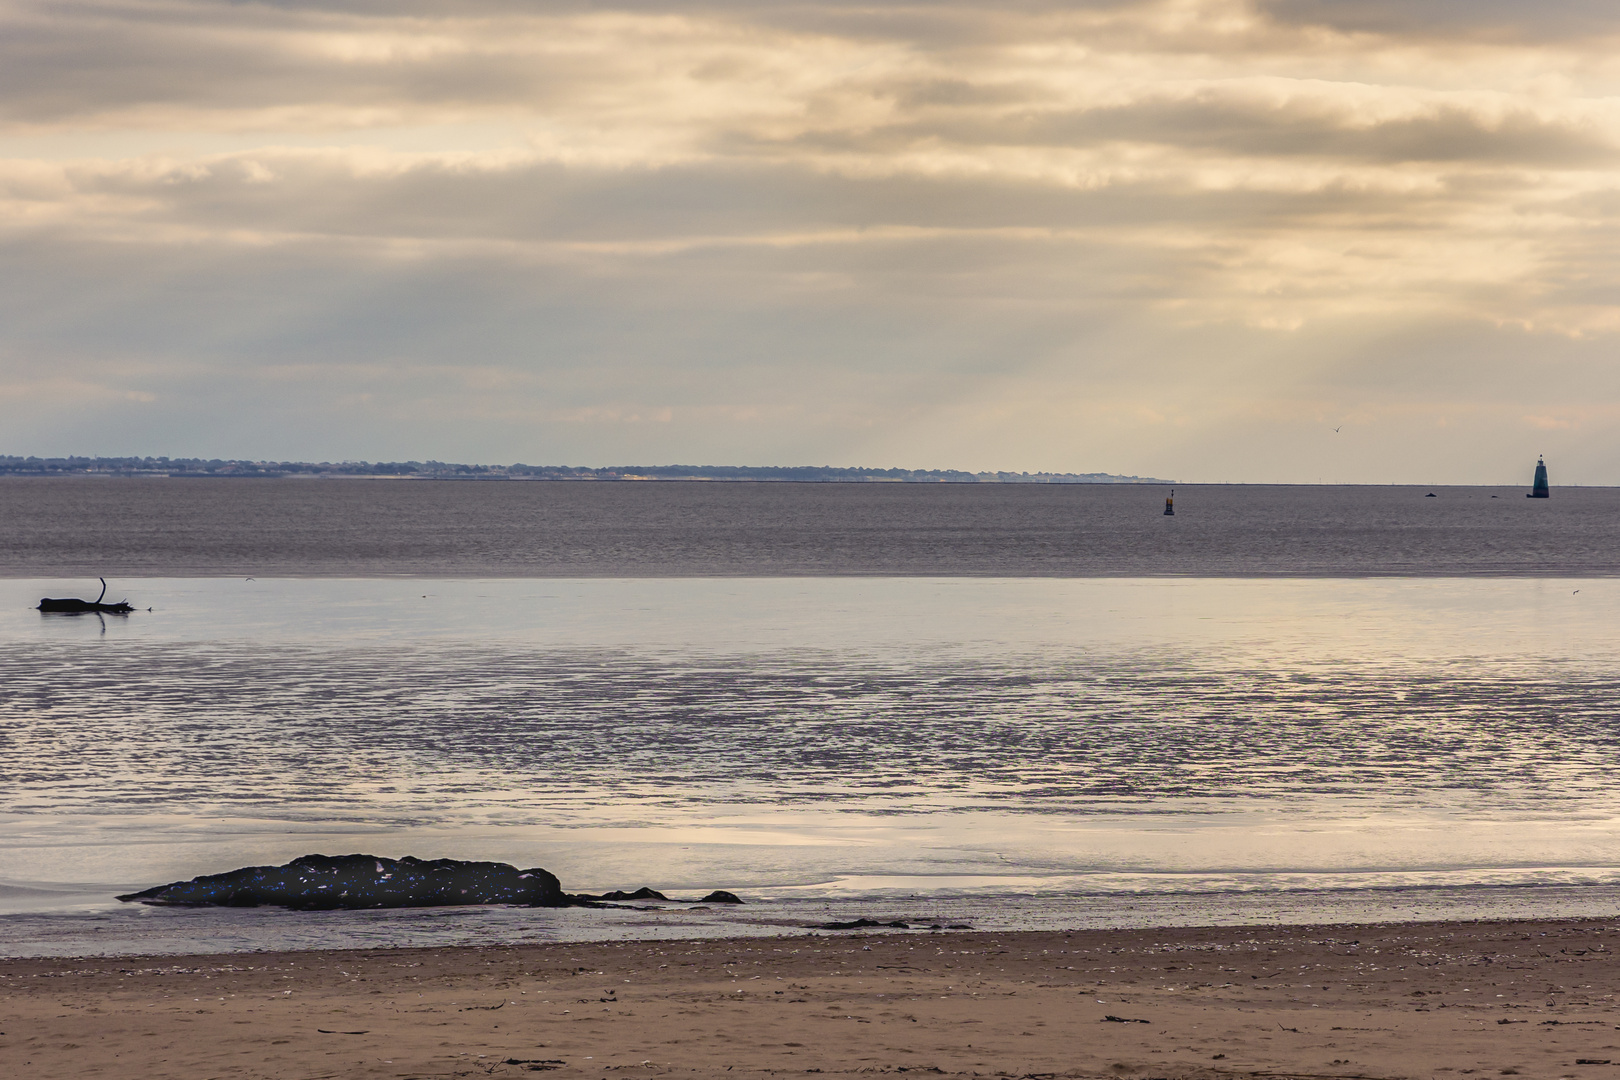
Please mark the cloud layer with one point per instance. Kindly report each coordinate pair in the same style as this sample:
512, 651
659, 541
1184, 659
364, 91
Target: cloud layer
1179, 238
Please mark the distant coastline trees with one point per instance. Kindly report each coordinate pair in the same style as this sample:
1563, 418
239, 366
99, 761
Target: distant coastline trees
439, 470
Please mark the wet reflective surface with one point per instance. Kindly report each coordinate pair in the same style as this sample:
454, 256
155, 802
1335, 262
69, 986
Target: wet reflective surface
829, 741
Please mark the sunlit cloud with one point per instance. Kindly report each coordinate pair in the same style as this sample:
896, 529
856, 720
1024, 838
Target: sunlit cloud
1175, 234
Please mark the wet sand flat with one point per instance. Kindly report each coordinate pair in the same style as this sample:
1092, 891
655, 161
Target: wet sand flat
1419, 1000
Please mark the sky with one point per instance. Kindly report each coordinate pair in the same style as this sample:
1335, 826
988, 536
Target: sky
1362, 241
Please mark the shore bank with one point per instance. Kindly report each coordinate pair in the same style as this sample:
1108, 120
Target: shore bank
1531, 998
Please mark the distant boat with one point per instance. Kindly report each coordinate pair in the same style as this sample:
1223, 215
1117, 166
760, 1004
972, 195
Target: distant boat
1539, 490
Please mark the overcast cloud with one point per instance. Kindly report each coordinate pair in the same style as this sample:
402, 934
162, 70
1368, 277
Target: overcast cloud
1185, 238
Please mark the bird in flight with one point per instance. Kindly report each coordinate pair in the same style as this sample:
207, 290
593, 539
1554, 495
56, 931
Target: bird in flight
1336, 429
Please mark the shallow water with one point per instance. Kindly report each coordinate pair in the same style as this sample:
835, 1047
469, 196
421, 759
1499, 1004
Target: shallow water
98, 929
1018, 749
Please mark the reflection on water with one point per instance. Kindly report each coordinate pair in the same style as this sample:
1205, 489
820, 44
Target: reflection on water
826, 734
416, 732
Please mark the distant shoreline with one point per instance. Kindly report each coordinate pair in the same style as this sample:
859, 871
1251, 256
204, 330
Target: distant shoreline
187, 468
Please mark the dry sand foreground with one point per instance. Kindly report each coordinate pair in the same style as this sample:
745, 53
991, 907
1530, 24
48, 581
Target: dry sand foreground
1528, 999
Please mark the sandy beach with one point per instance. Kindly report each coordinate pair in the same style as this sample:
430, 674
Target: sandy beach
1416, 1000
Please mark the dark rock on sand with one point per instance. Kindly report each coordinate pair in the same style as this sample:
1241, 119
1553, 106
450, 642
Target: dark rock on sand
643, 893
322, 883
897, 924
719, 896
861, 924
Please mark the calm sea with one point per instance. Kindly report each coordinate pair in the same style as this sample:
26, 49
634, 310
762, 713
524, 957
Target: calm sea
1010, 706
336, 528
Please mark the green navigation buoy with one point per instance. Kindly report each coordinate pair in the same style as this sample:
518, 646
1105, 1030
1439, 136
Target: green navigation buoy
1539, 490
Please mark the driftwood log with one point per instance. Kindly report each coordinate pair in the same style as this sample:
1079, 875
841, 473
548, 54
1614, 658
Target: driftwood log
74, 606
